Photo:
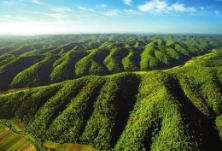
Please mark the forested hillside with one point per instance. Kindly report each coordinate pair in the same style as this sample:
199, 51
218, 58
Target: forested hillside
108, 92
42, 60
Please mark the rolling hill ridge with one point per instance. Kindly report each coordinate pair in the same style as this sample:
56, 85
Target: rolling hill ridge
34, 64
115, 92
179, 108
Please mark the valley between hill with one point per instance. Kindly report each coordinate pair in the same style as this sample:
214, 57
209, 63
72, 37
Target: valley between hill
45, 60
122, 94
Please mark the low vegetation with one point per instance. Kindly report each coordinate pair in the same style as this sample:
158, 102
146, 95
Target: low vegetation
67, 147
13, 141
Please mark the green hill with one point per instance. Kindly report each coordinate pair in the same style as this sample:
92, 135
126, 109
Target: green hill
179, 108
35, 61
115, 97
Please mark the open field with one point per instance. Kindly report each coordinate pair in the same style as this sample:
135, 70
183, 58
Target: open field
67, 147
10, 141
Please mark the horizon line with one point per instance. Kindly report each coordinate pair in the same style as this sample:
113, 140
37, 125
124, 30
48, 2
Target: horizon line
105, 33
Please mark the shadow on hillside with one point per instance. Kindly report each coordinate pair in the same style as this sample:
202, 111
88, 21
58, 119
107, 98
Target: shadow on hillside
125, 104
205, 130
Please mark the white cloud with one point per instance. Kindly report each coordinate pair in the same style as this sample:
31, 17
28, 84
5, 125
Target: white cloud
103, 6
178, 7
53, 8
36, 1
153, 6
114, 12
57, 15
217, 12
61, 9
181, 8
127, 2
130, 11
158, 6
85, 9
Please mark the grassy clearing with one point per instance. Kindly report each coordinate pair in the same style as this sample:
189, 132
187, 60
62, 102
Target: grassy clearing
74, 147
140, 72
19, 126
67, 147
50, 144
189, 63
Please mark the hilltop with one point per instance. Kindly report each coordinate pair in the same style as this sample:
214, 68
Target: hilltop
42, 60
120, 92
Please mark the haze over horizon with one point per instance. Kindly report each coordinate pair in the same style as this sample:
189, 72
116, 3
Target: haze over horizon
33, 17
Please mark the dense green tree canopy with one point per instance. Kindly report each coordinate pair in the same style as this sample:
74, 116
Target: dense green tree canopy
108, 91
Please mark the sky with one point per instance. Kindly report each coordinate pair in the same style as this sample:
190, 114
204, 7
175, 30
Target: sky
34, 17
